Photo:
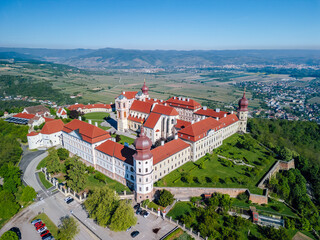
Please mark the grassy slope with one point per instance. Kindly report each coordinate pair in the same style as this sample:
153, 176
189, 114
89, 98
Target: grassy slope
215, 168
43, 180
113, 184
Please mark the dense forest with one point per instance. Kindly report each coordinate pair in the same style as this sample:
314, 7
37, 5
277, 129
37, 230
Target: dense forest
300, 140
10, 150
27, 86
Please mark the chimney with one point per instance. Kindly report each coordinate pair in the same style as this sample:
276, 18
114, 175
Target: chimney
162, 142
188, 99
149, 98
198, 119
183, 99
176, 136
203, 117
110, 103
204, 108
80, 118
123, 92
225, 115
217, 109
165, 104
192, 122
89, 121
155, 99
174, 97
113, 139
217, 118
96, 124
231, 112
161, 100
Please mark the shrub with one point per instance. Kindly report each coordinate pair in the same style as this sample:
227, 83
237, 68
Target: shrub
165, 198
243, 196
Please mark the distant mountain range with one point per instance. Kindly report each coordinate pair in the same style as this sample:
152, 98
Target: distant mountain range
127, 58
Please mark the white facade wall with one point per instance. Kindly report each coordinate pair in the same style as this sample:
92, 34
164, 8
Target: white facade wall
171, 163
35, 141
144, 176
90, 110
44, 140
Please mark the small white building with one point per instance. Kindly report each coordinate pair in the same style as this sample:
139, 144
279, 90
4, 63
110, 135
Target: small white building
62, 113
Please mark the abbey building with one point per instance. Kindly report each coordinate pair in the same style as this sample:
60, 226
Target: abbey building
171, 133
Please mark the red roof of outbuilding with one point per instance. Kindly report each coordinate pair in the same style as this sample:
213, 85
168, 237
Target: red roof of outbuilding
24, 115
117, 150
191, 104
211, 113
128, 95
165, 110
30, 134
152, 120
75, 106
162, 152
52, 126
140, 106
88, 132
62, 111
199, 129
49, 119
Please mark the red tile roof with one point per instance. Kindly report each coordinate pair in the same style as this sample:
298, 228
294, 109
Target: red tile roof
228, 120
162, 152
182, 124
152, 120
191, 104
75, 106
49, 119
88, 132
165, 110
140, 106
153, 100
62, 111
24, 115
117, 150
30, 134
135, 119
128, 95
211, 113
98, 105
52, 126
199, 129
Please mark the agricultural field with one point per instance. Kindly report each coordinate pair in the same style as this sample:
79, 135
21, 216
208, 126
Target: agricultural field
215, 171
102, 87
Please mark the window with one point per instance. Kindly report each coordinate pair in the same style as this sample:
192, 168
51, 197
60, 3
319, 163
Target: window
147, 188
139, 170
146, 169
146, 179
140, 190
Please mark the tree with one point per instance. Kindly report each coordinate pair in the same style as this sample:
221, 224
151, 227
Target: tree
9, 235
74, 114
28, 194
101, 204
63, 153
8, 205
285, 154
123, 217
165, 198
52, 161
68, 229
77, 177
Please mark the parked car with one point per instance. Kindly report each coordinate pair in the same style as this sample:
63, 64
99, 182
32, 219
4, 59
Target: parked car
146, 215
47, 236
129, 228
42, 229
143, 212
68, 200
44, 233
38, 224
137, 206
138, 211
134, 234
35, 221
16, 231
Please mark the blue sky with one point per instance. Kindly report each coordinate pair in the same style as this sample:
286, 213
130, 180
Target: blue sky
165, 24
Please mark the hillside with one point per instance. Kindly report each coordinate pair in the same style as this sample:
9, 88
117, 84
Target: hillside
130, 58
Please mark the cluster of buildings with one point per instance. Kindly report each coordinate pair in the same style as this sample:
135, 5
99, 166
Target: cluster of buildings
186, 131
289, 99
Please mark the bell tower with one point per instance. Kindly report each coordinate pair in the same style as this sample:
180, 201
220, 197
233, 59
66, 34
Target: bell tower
243, 113
145, 89
143, 164
122, 106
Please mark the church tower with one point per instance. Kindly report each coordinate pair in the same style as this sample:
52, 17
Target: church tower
122, 106
243, 113
143, 164
145, 89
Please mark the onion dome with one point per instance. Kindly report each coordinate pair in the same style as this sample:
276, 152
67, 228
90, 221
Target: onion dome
142, 145
243, 102
144, 88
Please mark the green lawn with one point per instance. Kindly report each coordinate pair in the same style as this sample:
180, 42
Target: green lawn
44, 181
124, 139
268, 209
97, 117
42, 164
113, 184
223, 173
180, 209
49, 224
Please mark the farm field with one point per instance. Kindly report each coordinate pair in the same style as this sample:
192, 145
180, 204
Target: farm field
102, 87
213, 171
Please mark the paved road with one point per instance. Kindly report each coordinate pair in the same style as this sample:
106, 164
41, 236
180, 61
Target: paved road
27, 157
